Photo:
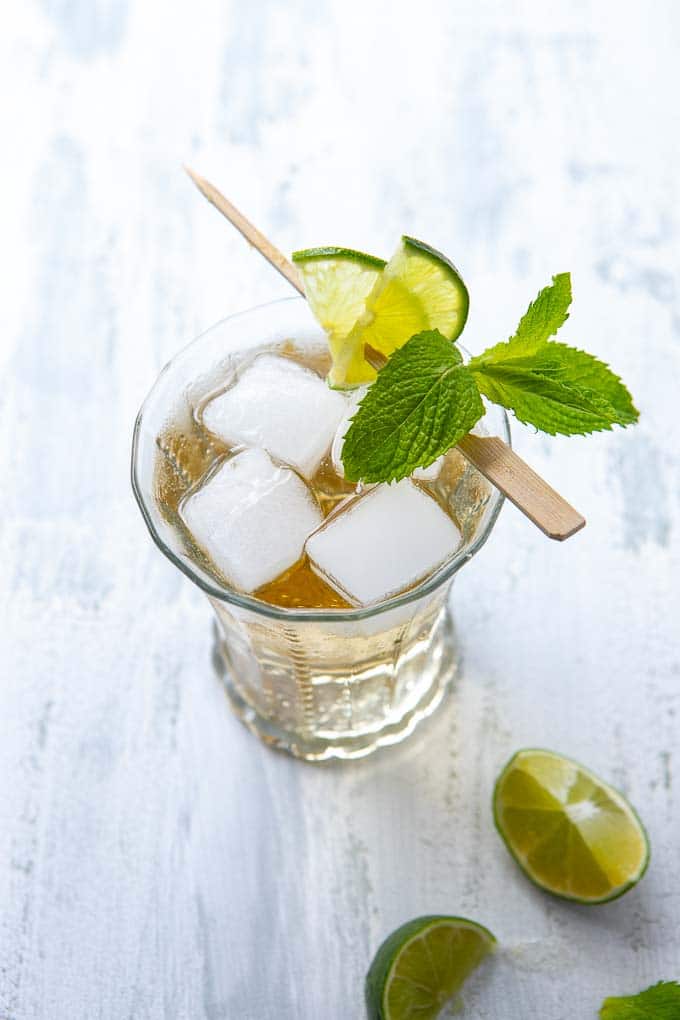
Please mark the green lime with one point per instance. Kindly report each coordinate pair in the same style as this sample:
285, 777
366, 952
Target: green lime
422, 965
359, 299
337, 282
418, 289
570, 833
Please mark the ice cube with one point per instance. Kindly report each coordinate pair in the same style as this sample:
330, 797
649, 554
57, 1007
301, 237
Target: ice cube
252, 518
429, 474
278, 405
383, 542
354, 398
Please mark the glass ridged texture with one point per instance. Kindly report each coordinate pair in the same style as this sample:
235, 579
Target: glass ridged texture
320, 683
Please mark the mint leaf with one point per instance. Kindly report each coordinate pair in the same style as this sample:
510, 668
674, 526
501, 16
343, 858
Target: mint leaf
556, 389
547, 384
422, 403
660, 1002
425, 399
542, 319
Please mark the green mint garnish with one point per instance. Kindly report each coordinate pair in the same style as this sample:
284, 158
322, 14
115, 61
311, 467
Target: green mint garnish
425, 399
547, 384
660, 1002
545, 315
421, 404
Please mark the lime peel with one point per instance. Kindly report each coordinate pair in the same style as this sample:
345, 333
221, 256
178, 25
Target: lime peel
332, 251
422, 965
360, 299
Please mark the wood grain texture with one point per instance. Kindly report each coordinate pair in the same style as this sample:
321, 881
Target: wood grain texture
157, 863
523, 487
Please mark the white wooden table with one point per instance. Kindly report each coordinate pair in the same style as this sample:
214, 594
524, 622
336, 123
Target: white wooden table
157, 863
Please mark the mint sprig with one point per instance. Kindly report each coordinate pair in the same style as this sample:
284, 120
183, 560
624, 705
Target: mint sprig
545, 315
547, 384
557, 389
421, 404
660, 1002
425, 399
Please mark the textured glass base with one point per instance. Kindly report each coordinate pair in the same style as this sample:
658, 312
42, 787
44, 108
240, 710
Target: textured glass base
352, 717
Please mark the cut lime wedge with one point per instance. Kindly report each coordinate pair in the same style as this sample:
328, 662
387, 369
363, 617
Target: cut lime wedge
422, 966
337, 282
570, 833
418, 289
360, 299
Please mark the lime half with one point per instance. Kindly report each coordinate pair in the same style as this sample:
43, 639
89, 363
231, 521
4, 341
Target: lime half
360, 299
337, 282
570, 833
422, 965
418, 289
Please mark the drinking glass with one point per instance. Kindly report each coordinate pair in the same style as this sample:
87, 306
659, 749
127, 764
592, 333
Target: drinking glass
319, 683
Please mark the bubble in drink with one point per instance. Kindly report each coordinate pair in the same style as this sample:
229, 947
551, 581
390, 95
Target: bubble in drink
251, 517
282, 407
383, 542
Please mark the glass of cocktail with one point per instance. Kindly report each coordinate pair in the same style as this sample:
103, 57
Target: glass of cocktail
333, 631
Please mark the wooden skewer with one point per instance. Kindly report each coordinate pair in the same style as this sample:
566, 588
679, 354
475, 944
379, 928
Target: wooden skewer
490, 455
528, 491
250, 232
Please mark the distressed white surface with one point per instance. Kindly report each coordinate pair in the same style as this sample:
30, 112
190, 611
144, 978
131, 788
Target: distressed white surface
157, 863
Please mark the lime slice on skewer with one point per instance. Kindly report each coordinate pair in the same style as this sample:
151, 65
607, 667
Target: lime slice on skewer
418, 289
570, 833
422, 966
337, 282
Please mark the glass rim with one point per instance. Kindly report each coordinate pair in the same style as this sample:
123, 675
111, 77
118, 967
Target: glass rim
215, 591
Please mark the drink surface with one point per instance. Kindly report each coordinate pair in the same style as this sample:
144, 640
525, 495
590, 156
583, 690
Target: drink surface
192, 452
